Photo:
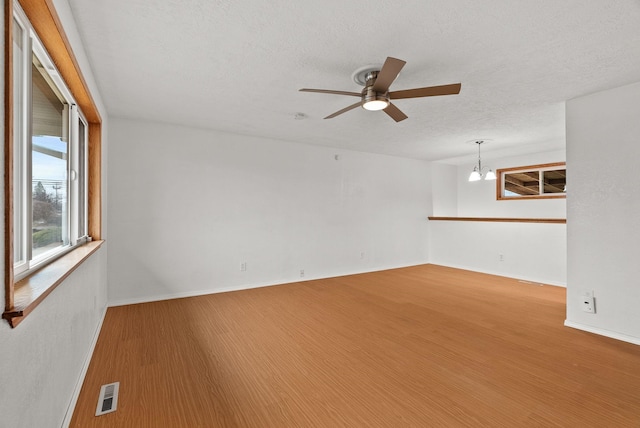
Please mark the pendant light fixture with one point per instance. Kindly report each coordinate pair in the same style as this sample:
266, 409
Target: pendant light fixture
477, 173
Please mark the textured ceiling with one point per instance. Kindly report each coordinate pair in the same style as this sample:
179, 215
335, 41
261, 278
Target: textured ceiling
237, 66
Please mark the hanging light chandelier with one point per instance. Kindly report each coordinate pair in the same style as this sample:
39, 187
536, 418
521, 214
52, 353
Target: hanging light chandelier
477, 173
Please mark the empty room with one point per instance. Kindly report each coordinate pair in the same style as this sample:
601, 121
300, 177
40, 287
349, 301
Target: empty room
320, 214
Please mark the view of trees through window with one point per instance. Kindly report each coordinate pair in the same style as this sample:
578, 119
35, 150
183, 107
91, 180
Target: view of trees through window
49, 155
49, 193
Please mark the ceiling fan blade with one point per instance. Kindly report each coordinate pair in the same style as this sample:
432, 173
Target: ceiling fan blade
395, 113
430, 91
390, 70
344, 110
329, 91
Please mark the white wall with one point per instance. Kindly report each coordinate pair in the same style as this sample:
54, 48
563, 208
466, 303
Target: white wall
444, 179
533, 252
603, 236
43, 358
529, 251
189, 206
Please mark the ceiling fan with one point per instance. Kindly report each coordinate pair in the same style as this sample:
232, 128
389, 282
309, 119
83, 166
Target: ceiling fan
376, 95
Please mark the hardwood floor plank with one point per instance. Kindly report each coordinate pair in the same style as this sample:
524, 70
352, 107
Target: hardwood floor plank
419, 346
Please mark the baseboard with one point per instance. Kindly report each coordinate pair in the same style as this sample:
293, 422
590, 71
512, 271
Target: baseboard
195, 293
204, 292
490, 272
85, 366
603, 332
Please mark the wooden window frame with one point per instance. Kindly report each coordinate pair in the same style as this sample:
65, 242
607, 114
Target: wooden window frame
501, 219
22, 297
529, 168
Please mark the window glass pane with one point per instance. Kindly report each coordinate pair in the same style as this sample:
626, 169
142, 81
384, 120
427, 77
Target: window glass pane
19, 211
532, 181
48, 165
554, 181
522, 183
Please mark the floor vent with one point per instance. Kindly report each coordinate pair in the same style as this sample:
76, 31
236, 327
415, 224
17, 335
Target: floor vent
108, 401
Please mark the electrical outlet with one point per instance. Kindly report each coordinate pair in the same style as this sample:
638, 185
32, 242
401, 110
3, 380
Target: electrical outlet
301, 273
589, 304
243, 267
501, 257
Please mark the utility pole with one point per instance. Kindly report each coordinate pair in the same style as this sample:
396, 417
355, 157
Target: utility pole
56, 187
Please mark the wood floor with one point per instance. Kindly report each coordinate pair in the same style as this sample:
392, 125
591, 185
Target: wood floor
425, 346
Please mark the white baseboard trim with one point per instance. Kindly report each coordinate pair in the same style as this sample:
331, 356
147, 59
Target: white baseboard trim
603, 332
503, 274
204, 292
181, 295
85, 367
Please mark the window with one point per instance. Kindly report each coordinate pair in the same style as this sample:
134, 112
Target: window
52, 183
49, 156
532, 182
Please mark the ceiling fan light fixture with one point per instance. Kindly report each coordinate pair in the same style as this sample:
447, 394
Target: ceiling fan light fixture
372, 100
376, 95
374, 105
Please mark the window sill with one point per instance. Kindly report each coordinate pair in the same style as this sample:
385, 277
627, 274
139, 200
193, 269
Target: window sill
506, 219
32, 290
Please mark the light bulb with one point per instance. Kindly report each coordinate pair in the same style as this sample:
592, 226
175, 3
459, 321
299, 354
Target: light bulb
475, 175
490, 175
374, 105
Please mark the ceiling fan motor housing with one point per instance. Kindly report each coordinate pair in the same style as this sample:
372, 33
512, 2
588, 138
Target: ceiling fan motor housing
369, 95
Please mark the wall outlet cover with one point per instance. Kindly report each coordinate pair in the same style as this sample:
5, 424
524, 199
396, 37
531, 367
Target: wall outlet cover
589, 304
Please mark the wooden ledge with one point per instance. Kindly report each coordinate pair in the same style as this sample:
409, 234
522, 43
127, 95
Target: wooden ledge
504, 220
32, 290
